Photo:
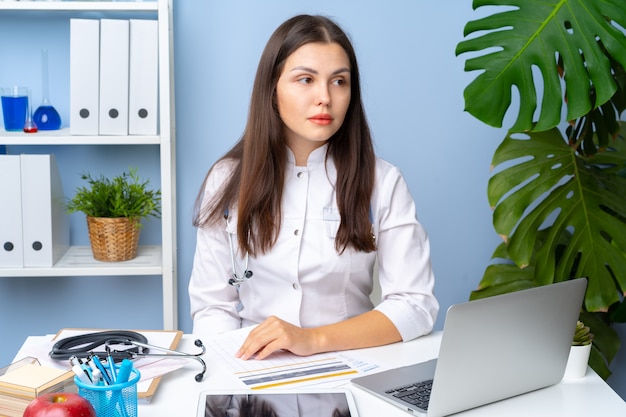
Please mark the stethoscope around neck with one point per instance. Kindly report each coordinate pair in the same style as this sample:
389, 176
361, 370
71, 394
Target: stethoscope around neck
236, 280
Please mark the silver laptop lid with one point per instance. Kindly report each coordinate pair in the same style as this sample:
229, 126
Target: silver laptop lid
506, 345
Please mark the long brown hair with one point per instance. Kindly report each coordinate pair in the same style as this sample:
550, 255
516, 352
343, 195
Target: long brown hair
260, 156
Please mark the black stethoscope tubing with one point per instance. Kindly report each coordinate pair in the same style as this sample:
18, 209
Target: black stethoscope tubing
83, 346
236, 280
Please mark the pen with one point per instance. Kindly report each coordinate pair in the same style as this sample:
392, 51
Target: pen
95, 360
124, 372
122, 377
80, 374
91, 363
96, 377
112, 368
86, 371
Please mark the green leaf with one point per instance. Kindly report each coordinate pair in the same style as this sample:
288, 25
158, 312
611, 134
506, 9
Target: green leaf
574, 207
123, 196
605, 345
540, 35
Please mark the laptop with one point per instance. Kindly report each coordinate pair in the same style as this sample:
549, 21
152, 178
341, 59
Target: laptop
491, 349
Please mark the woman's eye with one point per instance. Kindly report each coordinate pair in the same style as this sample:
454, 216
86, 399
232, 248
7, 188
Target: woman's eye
305, 80
339, 82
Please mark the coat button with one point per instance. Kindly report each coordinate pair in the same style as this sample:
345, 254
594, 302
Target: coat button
300, 174
296, 232
294, 286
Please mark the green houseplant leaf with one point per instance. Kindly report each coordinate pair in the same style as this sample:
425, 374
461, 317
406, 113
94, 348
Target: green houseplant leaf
559, 199
547, 188
125, 195
570, 37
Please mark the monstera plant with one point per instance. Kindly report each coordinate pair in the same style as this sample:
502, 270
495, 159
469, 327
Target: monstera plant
558, 188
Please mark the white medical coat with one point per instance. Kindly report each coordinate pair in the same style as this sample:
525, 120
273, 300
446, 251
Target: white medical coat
303, 280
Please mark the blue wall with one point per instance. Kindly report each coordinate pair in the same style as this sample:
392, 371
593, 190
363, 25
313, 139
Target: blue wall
413, 91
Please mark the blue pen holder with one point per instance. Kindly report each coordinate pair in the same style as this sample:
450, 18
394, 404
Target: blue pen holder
115, 400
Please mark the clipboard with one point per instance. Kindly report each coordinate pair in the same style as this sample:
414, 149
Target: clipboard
164, 338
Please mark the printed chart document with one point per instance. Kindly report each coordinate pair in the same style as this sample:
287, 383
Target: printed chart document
284, 369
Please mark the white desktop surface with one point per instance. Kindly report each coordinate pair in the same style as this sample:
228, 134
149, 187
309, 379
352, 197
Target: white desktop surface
177, 394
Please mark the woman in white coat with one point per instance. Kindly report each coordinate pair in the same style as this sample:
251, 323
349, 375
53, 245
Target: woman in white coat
291, 220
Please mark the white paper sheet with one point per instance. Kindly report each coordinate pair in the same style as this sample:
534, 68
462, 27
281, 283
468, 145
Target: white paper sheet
284, 369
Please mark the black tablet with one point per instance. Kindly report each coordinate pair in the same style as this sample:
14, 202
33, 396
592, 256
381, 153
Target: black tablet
321, 402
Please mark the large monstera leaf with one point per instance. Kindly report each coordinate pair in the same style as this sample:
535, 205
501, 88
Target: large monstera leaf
568, 37
563, 213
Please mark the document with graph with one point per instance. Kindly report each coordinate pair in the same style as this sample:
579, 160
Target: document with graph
284, 369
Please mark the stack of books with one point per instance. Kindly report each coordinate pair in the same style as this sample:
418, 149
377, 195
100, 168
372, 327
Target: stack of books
20, 386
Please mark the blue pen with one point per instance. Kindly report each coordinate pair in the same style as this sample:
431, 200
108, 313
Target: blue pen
105, 375
124, 372
112, 368
122, 377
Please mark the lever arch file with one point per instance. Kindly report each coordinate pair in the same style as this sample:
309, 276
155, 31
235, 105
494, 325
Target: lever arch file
84, 76
45, 225
143, 77
11, 251
114, 59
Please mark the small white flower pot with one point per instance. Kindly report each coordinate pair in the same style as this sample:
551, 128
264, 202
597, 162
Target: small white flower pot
577, 361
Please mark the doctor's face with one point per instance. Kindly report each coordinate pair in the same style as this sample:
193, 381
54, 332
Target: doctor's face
313, 94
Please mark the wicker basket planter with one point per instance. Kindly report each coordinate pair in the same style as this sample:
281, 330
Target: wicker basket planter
113, 239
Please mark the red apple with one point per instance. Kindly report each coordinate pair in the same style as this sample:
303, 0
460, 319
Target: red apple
59, 404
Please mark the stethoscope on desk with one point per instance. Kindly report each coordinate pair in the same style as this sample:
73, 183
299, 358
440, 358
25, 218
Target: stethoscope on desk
83, 346
171, 354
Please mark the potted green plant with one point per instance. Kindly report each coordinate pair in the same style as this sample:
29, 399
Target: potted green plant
114, 209
559, 186
582, 335
579, 352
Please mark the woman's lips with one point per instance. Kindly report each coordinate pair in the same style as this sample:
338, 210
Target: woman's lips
321, 119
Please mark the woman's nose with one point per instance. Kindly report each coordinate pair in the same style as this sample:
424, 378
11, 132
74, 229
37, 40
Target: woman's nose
323, 96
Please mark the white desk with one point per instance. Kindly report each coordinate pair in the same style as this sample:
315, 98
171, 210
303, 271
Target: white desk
177, 394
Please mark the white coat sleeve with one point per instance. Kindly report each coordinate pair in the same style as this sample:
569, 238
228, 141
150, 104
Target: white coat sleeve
213, 302
405, 272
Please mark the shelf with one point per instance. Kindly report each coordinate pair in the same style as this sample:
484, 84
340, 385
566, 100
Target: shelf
63, 137
79, 261
122, 6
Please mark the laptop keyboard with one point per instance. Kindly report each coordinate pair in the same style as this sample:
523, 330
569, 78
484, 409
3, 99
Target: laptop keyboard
415, 394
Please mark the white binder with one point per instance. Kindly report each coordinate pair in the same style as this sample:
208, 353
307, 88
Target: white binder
143, 77
114, 50
84, 76
46, 229
11, 250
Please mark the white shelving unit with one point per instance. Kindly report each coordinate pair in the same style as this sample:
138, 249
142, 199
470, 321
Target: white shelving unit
151, 260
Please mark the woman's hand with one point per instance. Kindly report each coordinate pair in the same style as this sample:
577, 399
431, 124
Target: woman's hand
275, 334
369, 329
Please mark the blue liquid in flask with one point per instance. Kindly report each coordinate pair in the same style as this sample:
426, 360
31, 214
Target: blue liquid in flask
47, 118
